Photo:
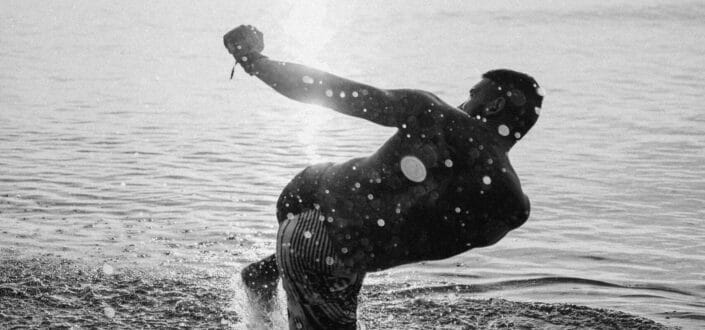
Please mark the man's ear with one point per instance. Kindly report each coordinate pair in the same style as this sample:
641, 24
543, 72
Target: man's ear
495, 106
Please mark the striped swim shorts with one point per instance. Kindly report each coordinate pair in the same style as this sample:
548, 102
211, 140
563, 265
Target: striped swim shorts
321, 292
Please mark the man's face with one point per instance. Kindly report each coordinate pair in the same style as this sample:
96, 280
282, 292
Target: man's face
482, 93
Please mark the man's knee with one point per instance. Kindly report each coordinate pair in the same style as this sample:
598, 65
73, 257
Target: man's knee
261, 273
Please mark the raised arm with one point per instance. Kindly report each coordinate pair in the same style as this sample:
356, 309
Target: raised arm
309, 85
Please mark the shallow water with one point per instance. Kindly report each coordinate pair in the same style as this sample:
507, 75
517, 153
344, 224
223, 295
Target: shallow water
122, 141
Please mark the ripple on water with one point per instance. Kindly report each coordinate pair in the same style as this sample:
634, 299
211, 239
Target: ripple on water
50, 292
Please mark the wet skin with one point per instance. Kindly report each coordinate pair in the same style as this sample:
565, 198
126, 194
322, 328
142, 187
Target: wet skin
376, 214
441, 185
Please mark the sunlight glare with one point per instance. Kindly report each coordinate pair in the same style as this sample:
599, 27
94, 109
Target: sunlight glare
309, 136
307, 31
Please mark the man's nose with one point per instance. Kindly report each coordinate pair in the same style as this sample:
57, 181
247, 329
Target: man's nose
462, 106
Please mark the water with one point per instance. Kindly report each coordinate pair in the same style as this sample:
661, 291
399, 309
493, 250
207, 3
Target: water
124, 142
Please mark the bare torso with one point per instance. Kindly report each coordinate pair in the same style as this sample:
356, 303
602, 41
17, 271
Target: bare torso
436, 188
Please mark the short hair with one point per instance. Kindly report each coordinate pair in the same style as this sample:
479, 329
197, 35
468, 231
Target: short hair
525, 112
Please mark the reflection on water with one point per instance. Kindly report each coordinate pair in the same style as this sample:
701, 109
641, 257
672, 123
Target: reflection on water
123, 141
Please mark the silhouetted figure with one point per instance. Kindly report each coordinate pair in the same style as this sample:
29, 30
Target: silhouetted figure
440, 186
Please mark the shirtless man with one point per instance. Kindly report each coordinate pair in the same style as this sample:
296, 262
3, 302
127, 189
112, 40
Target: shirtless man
440, 186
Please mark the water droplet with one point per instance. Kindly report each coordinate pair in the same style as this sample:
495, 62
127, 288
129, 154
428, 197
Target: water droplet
537, 110
107, 269
490, 161
398, 210
307, 80
357, 185
344, 250
499, 88
330, 219
329, 93
413, 169
321, 218
540, 91
517, 135
330, 261
504, 170
290, 216
408, 136
342, 95
370, 196
109, 311
364, 110
327, 191
486, 180
244, 58
403, 125
448, 163
457, 210
380, 222
503, 130
355, 94
307, 234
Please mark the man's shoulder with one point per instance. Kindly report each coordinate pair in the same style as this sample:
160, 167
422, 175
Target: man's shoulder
418, 96
420, 102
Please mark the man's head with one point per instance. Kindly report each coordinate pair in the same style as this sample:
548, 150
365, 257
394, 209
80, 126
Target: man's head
509, 100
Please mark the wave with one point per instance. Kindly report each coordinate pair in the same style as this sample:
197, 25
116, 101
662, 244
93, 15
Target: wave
525, 283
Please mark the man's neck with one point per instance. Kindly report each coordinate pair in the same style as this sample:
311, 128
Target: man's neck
503, 137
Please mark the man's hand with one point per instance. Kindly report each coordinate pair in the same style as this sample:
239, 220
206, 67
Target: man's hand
242, 41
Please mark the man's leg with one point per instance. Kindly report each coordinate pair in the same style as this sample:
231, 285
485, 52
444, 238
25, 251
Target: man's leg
321, 293
261, 279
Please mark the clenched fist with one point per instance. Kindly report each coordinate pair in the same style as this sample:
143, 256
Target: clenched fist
242, 41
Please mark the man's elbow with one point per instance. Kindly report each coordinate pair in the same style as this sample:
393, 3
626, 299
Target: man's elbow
521, 212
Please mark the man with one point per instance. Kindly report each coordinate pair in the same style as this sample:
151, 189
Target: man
440, 186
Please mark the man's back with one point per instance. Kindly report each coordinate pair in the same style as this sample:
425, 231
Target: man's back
436, 188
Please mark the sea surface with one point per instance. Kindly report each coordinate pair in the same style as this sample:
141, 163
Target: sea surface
123, 143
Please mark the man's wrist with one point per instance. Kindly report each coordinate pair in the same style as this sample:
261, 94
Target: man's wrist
247, 61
